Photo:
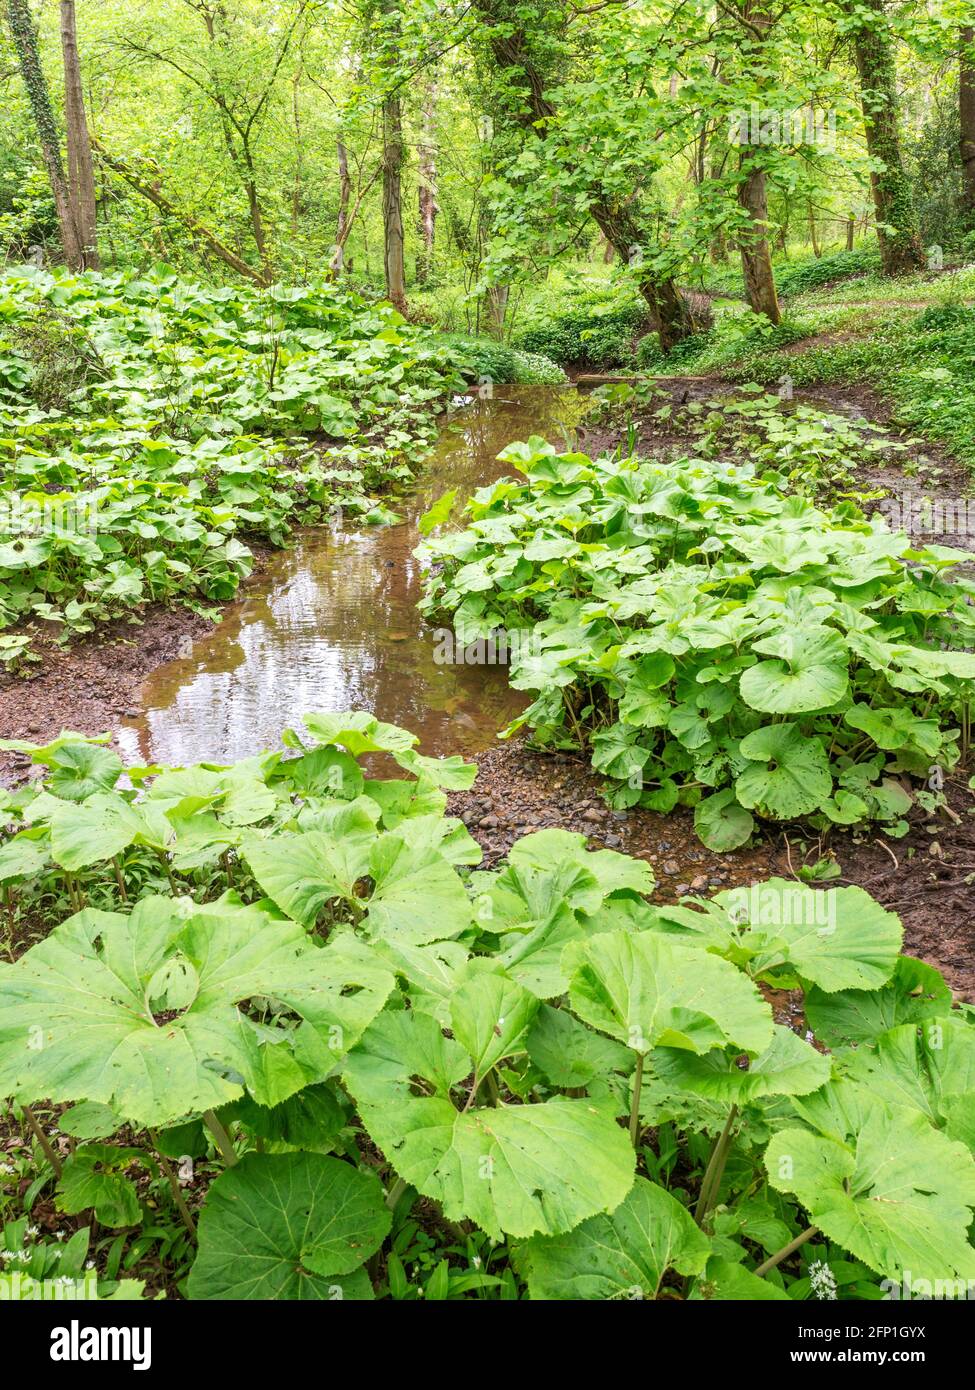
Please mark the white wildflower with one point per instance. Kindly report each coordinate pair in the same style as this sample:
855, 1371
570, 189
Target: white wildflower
822, 1280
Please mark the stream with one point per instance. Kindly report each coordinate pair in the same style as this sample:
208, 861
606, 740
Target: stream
331, 623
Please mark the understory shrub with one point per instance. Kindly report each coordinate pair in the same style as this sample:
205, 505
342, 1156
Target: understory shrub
486, 359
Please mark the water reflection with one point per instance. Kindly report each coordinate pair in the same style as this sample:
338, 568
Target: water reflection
332, 624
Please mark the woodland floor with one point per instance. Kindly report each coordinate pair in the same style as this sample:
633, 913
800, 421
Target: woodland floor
927, 877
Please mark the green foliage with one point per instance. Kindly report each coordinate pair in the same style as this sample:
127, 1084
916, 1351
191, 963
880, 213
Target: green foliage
923, 361
599, 335
485, 359
348, 1065
149, 424
810, 273
709, 637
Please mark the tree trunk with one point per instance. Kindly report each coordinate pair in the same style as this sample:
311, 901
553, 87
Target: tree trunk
497, 309
394, 262
811, 220
337, 262
897, 228
426, 221
673, 316
81, 174
756, 258
25, 42
851, 223
966, 112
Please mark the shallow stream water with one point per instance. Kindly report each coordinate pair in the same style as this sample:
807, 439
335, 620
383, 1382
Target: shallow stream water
331, 623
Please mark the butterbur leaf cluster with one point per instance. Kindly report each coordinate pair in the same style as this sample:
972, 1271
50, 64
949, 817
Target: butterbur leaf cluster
546, 1083
712, 639
188, 420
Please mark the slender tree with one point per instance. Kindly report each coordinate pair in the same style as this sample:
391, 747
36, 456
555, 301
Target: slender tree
394, 259
966, 113
426, 213
81, 174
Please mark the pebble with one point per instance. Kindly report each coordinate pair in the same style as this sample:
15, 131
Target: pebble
699, 883
682, 888
613, 840
670, 866
592, 814
487, 822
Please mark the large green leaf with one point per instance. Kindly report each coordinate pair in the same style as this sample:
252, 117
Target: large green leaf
915, 991
895, 1193
512, 1169
721, 823
725, 1281
647, 991
624, 1254
359, 732
569, 1053
415, 894
788, 1066
789, 774
87, 832
807, 672
87, 1014
489, 1014
921, 1067
289, 1226
837, 939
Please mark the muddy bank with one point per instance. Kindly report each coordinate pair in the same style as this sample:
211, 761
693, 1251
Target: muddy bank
927, 877
91, 686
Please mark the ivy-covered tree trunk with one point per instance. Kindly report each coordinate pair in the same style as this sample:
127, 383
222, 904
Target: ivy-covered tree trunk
753, 242
897, 227
29, 61
966, 113
81, 174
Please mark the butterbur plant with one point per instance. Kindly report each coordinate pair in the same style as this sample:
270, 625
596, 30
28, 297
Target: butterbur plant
191, 437
709, 638
351, 1063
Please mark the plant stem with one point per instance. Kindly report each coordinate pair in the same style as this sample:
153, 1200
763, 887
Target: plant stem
221, 1136
119, 879
169, 872
786, 1251
174, 1186
43, 1140
711, 1183
635, 1101
395, 1193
